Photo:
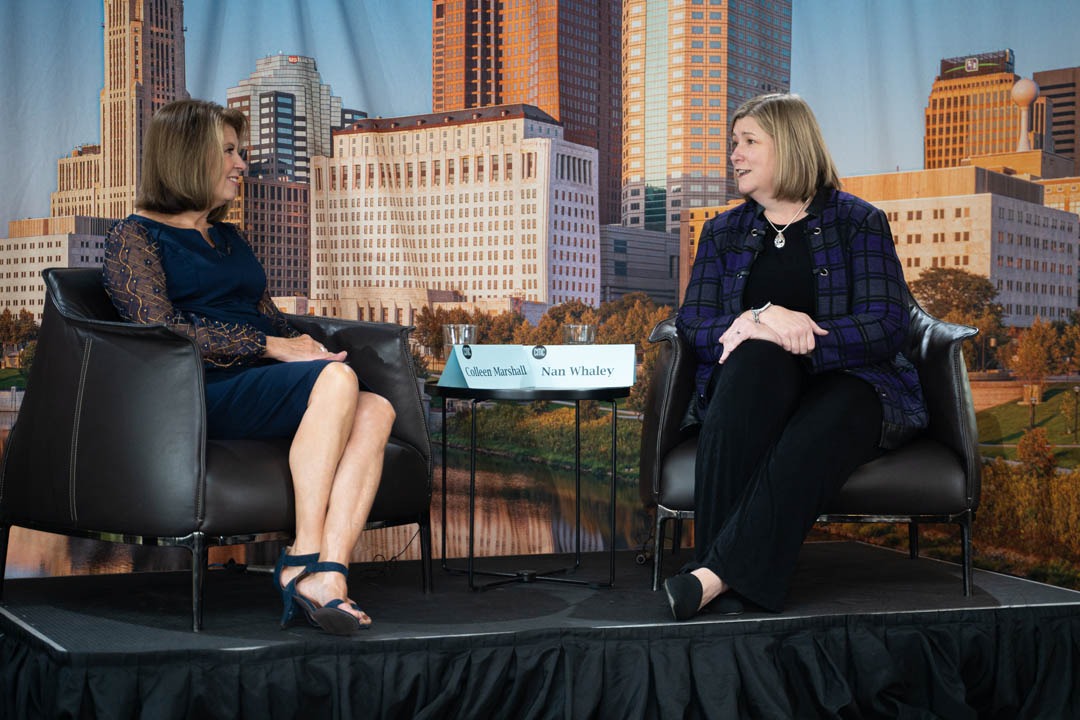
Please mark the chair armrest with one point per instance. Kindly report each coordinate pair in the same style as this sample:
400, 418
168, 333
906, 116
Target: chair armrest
670, 393
112, 421
935, 347
379, 353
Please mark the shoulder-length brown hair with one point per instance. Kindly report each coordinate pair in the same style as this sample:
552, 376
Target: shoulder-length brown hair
182, 157
803, 163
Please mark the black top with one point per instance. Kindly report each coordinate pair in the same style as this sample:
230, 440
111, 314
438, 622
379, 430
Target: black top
782, 276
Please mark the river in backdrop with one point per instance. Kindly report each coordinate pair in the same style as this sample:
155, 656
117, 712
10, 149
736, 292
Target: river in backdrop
521, 509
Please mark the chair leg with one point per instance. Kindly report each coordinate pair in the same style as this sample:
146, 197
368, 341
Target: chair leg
913, 540
5, 531
425, 553
658, 549
676, 537
199, 557
966, 553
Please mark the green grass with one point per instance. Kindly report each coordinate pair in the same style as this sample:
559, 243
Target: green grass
12, 377
1005, 424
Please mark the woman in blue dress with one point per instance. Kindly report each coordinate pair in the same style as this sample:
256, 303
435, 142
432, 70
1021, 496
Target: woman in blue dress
175, 261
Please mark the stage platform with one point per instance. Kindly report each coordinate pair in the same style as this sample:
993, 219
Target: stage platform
867, 633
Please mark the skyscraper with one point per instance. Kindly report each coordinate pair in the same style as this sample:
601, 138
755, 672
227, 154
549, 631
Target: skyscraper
686, 67
1062, 88
144, 69
290, 113
562, 56
971, 111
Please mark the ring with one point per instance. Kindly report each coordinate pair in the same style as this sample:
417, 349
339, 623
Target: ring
322, 348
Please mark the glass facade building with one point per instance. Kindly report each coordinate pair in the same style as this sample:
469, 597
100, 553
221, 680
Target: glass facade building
687, 64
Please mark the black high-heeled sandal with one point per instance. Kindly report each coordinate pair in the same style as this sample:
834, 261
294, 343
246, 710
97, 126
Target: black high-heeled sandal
288, 592
329, 617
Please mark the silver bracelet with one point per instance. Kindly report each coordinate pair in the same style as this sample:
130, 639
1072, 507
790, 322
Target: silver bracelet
756, 312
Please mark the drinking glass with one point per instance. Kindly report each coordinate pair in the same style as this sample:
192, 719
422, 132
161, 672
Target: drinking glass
578, 334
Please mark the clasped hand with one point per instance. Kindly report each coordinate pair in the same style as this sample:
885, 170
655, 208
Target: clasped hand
792, 330
298, 349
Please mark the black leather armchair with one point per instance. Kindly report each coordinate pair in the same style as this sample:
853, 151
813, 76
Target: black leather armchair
110, 441
935, 478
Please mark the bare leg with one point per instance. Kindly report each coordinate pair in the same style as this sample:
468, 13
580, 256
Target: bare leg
336, 461
711, 585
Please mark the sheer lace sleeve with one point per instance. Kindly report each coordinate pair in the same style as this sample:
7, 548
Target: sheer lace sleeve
135, 280
282, 328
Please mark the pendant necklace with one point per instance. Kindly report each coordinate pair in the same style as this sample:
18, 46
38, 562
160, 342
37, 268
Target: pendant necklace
779, 241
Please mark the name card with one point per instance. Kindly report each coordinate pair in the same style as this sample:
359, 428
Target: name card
542, 367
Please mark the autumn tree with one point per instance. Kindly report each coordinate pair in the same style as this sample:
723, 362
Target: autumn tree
1033, 353
428, 331
1036, 453
503, 327
965, 298
25, 327
1069, 349
549, 330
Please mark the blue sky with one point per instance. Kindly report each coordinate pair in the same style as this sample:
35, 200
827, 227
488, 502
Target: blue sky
865, 66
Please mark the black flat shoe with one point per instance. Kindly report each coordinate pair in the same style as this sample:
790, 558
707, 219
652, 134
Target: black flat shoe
683, 595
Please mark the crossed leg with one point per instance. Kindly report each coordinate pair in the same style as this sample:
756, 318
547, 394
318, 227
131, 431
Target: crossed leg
336, 461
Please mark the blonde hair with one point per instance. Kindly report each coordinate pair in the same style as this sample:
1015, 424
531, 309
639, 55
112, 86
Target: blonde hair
803, 163
182, 157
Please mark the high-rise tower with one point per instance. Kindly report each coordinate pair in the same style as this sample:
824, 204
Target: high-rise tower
686, 68
1062, 88
971, 111
290, 113
562, 56
144, 69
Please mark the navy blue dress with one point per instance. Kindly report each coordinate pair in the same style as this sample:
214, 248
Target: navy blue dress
157, 273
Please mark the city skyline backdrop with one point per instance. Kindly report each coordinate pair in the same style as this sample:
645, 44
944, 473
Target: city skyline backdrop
869, 91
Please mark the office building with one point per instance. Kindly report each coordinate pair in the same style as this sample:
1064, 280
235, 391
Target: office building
562, 56
686, 68
979, 106
1061, 88
987, 223
1062, 193
34, 244
636, 260
491, 203
144, 69
275, 215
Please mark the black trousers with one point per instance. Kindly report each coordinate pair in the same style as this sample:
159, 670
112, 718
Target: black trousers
776, 445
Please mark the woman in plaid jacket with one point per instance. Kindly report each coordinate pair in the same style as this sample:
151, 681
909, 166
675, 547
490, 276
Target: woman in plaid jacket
797, 310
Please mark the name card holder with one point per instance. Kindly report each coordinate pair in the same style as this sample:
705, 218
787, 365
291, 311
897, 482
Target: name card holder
539, 367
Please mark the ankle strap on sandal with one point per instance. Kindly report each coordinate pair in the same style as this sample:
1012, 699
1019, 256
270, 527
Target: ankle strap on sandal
288, 560
326, 566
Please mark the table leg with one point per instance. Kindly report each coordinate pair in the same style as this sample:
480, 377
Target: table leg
472, 491
614, 478
577, 484
444, 401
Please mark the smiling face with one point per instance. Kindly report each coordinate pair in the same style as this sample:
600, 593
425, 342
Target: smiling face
753, 158
232, 167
